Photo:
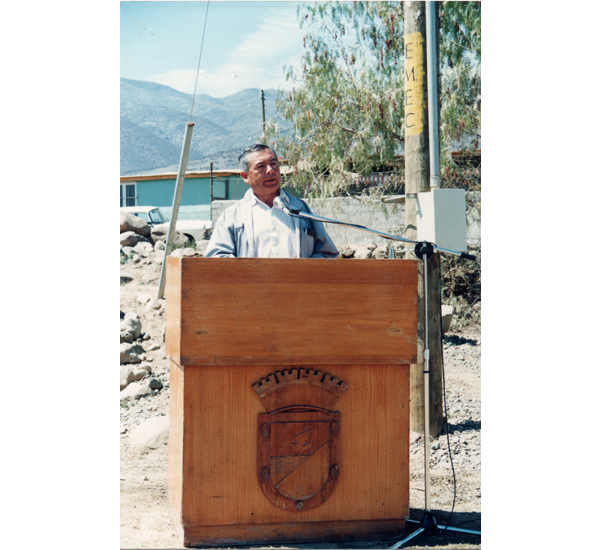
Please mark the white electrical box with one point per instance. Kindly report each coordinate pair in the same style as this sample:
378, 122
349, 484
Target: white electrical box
442, 218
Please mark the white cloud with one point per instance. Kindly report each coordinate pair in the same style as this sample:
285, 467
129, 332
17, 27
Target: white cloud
258, 61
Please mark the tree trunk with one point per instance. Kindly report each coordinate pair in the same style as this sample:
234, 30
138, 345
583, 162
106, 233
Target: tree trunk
416, 154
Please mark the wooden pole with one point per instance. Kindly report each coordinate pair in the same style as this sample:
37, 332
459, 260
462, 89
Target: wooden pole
416, 151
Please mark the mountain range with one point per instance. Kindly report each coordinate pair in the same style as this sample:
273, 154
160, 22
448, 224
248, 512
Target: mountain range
154, 117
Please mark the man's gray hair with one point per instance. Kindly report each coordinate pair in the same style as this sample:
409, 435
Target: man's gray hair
243, 158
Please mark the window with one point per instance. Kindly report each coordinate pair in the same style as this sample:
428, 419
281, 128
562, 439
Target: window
128, 195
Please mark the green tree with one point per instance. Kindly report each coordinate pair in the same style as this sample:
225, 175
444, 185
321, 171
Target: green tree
346, 104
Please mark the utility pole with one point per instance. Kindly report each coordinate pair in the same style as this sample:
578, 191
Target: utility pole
264, 124
416, 154
262, 100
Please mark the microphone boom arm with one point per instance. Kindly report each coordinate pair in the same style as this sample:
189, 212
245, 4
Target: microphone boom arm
294, 212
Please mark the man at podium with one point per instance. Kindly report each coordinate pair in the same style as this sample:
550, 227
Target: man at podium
257, 226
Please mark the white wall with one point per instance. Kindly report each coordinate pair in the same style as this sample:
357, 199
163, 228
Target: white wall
387, 218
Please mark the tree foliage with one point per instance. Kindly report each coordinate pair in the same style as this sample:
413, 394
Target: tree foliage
346, 105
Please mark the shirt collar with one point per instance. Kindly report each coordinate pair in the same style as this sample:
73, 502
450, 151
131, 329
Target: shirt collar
254, 201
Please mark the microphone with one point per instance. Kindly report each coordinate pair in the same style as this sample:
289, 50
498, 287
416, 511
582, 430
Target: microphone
278, 203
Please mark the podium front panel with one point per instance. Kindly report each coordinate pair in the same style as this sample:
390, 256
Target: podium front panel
252, 311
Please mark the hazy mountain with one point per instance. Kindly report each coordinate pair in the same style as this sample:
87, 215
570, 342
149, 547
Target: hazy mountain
153, 120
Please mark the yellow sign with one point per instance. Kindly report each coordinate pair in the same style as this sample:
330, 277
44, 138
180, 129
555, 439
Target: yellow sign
414, 106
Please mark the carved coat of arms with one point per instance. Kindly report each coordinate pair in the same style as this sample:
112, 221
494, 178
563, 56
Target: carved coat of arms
298, 439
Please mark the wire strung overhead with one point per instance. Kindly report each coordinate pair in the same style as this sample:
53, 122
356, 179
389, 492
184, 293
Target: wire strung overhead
199, 58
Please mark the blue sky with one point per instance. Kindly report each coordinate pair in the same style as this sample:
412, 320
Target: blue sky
161, 41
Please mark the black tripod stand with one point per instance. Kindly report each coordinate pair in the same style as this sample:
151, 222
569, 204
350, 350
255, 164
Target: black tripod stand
423, 251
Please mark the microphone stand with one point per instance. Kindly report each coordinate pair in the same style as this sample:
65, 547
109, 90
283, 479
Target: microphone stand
423, 250
295, 213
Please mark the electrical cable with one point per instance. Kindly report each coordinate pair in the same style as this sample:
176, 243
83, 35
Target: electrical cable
447, 432
199, 58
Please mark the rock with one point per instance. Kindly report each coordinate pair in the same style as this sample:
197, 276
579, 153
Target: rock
160, 245
134, 391
129, 238
447, 312
130, 353
201, 247
154, 384
347, 252
363, 253
153, 304
184, 253
150, 435
129, 222
146, 367
133, 324
378, 253
160, 234
126, 377
139, 374
144, 249
126, 279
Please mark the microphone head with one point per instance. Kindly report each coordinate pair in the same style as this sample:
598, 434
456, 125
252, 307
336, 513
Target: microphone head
278, 203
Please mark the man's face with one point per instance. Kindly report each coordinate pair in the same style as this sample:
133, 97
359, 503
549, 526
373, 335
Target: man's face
263, 175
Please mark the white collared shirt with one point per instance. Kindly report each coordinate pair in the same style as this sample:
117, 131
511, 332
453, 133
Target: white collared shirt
274, 231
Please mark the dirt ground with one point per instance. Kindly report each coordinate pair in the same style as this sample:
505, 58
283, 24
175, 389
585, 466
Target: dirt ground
145, 512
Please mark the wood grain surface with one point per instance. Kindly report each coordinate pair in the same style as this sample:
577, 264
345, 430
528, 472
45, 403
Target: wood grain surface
219, 481
251, 339
243, 311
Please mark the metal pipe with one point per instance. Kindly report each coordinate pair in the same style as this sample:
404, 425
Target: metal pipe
187, 140
432, 93
426, 383
211, 191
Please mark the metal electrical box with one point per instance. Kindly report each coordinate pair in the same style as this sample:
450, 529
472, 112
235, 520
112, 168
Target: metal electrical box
442, 218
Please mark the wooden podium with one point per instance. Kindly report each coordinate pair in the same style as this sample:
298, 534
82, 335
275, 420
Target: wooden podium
289, 405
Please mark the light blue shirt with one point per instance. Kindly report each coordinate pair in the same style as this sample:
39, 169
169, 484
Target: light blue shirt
233, 233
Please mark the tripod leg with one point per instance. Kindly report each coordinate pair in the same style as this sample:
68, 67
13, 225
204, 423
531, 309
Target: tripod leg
458, 530
410, 537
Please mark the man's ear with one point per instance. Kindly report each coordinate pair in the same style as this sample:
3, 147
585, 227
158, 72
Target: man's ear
244, 176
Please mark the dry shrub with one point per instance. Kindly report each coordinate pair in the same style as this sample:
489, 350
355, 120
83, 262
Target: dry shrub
461, 287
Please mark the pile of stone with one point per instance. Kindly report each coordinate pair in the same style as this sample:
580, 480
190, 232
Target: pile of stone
143, 243
137, 378
370, 250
